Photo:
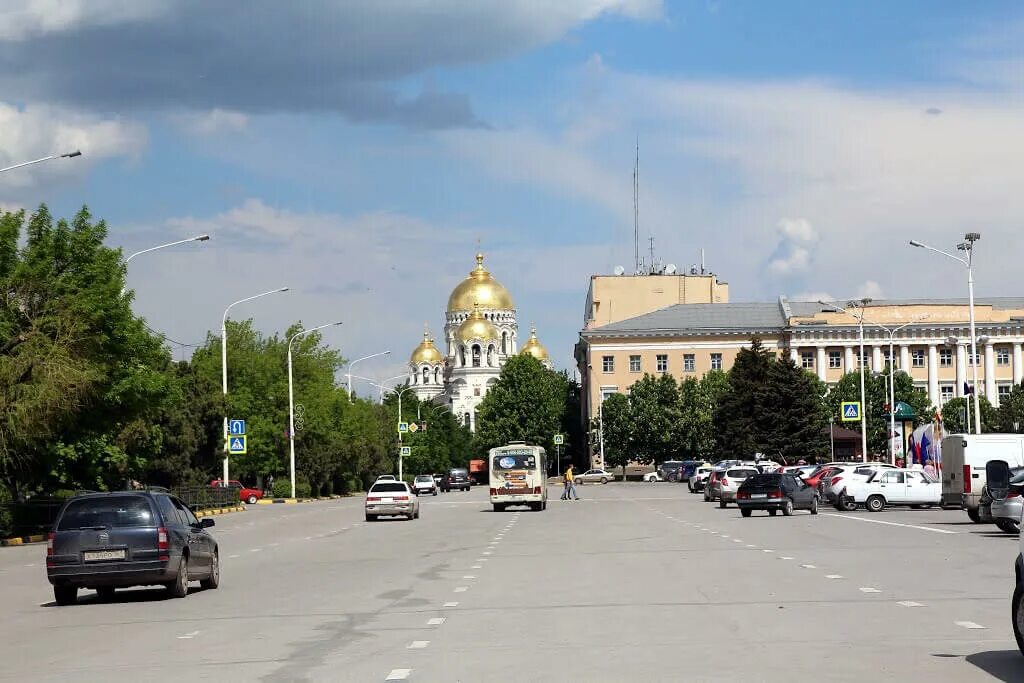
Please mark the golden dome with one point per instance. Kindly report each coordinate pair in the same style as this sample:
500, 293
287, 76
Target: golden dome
426, 352
534, 347
480, 288
476, 326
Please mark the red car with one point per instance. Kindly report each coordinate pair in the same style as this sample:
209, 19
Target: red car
245, 493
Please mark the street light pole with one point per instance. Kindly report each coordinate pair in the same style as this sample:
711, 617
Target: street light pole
291, 400
966, 246
197, 238
69, 155
353, 362
224, 367
860, 367
400, 431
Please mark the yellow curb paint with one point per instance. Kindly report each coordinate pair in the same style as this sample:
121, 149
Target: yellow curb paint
12, 541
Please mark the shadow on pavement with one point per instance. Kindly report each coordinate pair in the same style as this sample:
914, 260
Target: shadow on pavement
125, 595
1003, 665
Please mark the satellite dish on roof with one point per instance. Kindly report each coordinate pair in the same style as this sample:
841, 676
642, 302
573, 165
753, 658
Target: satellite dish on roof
619, 270
693, 269
670, 269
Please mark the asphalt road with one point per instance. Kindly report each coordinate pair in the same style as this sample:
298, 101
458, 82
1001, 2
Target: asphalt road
636, 582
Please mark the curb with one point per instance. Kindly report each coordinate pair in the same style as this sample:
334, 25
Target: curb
219, 511
23, 540
287, 501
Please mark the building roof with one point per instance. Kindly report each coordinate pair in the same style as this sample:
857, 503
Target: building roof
753, 317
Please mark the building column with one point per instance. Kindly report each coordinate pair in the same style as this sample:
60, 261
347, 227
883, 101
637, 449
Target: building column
822, 363
990, 375
905, 358
933, 375
961, 369
1018, 364
794, 355
848, 363
876, 358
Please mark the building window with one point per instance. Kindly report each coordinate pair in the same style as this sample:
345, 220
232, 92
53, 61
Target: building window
716, 361
689, 363
976, 357
476, 391
807, 359
864, 360
887, 359
662, 362
945, 358
608, 363
608, 391
634, 363
917, 358
1002, 356
835, 359
1003, 390
476, 356
945, 393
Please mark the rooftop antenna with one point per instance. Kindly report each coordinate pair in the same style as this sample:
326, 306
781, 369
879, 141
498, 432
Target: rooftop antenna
636, 208
702, 260
654, 266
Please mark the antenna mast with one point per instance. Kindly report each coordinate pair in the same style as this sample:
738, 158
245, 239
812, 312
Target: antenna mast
636, 209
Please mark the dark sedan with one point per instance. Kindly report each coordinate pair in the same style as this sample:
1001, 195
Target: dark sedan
774, 492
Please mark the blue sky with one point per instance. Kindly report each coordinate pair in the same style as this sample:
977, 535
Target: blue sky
356, 151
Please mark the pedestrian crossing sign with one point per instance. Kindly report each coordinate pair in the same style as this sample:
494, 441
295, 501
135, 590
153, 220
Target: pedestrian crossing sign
236, 445
851, 411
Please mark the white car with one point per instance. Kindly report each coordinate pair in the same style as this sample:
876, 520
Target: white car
699, 479
387, 477
893, 487
831, 489
653, 476
424, 483
593, 476
391, 499
731, 481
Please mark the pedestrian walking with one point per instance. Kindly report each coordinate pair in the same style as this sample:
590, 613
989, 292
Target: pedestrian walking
570, 488
270, 485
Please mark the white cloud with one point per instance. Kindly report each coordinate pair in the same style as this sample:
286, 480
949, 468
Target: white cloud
213, 122
797, 259
798, 229
812, 296
39, 131
871, 290
22, 20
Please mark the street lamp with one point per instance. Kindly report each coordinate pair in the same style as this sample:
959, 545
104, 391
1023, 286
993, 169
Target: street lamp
197, 238
380, 385
353, 362
400, 422
860, 366
291, 399
967, 246
69, 155
224, 366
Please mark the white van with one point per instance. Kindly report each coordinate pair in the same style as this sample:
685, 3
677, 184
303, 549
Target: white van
963, 465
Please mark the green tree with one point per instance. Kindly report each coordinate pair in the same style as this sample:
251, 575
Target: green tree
954, 420
618, 431
655, 418
740, 417
797, 418
527, 403
1011, 410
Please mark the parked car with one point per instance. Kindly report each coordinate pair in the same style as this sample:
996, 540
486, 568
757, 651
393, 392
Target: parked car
456, 478
891, 487
689, 467
424, 483
730, 483
107, 541
245, 493
653, 476
831, 487
774, 492
437, 479
593, 476
391, 499
1002, 498
669, 470
713, 487
699, 479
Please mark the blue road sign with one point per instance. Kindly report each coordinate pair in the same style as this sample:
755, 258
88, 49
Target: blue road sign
236, 427
851, 411
236, 445
406, 450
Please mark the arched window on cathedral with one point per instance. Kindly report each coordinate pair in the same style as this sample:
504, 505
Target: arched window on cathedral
426, 375
476, 355
437, 375
462, 356
490, 355
504, 343
467, 419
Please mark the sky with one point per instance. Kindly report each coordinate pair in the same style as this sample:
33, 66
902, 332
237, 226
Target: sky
358, 151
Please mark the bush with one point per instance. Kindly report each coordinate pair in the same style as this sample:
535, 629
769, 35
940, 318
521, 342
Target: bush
283, 488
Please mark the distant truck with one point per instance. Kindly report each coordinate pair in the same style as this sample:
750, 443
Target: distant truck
478, 472
963, 466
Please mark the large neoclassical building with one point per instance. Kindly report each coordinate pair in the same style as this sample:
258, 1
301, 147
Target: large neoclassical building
481, 331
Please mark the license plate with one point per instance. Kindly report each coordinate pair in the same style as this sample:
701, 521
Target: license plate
758, 495
99, 555
387, 500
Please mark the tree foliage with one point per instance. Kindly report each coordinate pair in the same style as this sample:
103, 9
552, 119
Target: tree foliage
741, 418
955, 419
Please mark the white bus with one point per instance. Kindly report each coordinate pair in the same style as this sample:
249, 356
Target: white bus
518, 476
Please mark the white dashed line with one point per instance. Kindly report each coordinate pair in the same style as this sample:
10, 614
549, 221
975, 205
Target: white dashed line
750, 545
469, 576
232, 557
189, 636
398, 674
970, 625
274, 545
477, 566
783, 557
417, 645
451, 604
808, 566
736, 540
833, 576
487, 552
910, 603
436, 621
879, 521
461, 589
309, 538
767, 551
868, 589
255, 550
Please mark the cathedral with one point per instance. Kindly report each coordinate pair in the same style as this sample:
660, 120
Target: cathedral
481, 332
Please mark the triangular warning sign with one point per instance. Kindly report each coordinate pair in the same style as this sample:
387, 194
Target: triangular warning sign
851, 411
236, 444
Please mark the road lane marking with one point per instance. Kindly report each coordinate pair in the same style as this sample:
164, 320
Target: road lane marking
783, 557
469, 576
833, 576
255, 550
461, 589
751, 545
909, 603
879, 521
970, 625
418, 645
436, 621
398, 674
477, 566
487, 552
189, 636
808, 566
451, 604
274, 545
309, 538
766, 550
232, 557
868, 589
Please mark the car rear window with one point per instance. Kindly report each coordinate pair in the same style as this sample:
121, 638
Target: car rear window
425, 478
388, 487
740, 473
763, 480
108, 512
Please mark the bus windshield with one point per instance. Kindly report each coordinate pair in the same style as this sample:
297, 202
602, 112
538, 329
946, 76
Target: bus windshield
511, 460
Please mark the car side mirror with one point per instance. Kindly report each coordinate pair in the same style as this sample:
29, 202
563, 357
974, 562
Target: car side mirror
206, 523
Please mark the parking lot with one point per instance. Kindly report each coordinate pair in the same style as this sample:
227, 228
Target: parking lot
636, 581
